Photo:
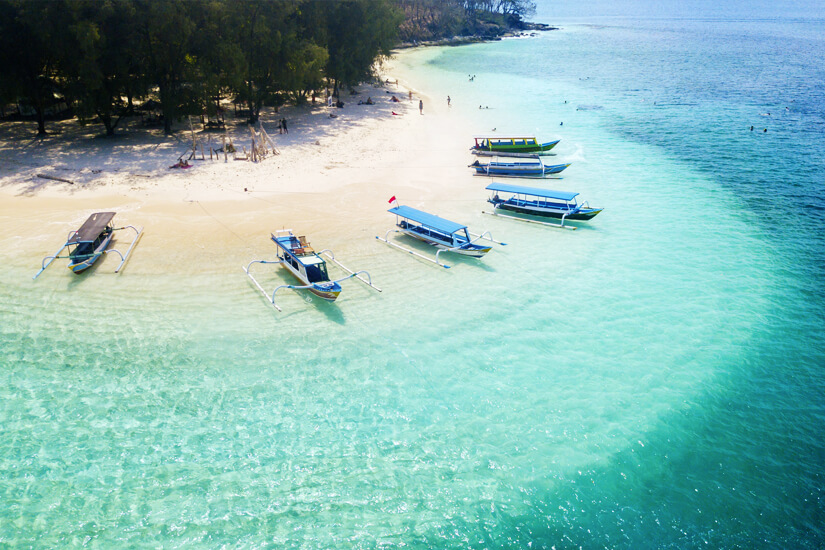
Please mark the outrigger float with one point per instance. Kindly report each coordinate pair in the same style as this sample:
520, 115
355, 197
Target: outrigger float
510, 146
90, 242
295, 253
445, 235
532, 168
539, 202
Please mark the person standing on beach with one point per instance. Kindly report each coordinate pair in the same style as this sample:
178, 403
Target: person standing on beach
448, 101
283, 122
420, 106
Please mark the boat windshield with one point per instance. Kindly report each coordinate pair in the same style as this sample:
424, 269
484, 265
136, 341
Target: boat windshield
317, 273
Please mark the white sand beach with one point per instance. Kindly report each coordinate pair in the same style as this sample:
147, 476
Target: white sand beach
331, 179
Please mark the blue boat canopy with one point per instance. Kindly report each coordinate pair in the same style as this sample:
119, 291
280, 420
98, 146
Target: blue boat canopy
535, 191
430, 220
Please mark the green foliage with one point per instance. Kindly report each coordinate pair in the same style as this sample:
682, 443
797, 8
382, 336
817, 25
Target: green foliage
438, 19
101, 55
358, 33
31, 43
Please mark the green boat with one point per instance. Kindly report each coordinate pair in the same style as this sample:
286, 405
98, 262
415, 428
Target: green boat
510, 145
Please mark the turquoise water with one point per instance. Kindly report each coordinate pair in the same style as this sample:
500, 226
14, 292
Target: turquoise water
651, 379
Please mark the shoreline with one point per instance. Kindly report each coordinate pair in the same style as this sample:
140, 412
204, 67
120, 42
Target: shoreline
528, 30
332, 178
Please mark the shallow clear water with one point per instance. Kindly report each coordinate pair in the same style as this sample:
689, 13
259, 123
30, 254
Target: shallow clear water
651, 379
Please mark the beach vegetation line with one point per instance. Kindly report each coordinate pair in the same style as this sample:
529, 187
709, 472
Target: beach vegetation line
103, 60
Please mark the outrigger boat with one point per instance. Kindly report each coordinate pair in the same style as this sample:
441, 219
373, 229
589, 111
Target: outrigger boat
517, 168
90, 242
539, 202
445, 235
499, 145
296, 254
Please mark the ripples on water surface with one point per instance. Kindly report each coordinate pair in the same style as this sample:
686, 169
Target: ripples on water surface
652, 380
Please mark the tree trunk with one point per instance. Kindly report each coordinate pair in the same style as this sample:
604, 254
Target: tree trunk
107, 122
166, 108
41, 122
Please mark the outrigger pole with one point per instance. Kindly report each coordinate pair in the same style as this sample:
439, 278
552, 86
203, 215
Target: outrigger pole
50, 259
124, 257
352, 273
423, 257
489, 237
556, 225
329, 253
257, 284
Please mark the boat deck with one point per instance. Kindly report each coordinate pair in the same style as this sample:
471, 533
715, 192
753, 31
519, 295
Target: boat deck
426, 232
297, 245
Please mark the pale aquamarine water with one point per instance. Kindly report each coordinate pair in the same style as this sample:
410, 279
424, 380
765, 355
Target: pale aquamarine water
651, 379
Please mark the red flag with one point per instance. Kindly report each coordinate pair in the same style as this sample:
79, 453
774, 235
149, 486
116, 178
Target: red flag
392, 199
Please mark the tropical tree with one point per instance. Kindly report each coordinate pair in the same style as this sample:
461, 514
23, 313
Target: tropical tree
30, 47
101, 73
358, 33
166, 33
218, 58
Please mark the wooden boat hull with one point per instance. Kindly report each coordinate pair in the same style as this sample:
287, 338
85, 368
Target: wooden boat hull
537, 148
473, 251
486, 153
328, 292
80, 261
469, 249
545, 210
536, 171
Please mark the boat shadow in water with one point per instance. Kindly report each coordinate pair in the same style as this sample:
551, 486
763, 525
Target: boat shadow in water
450, 258
457, 259
576, 225
294, 302
77, 279
330, 310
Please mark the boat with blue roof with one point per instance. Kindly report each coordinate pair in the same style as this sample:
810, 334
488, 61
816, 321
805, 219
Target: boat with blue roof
297, 255
445, 235
535, 201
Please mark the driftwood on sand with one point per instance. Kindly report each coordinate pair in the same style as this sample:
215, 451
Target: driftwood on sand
45, 177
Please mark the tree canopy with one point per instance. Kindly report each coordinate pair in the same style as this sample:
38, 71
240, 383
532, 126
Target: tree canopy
106, 57
99, 56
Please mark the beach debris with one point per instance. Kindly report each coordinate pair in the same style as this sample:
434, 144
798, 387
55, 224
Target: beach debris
47, 177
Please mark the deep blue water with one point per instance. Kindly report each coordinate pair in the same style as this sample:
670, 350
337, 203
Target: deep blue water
740, 100
704, 84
